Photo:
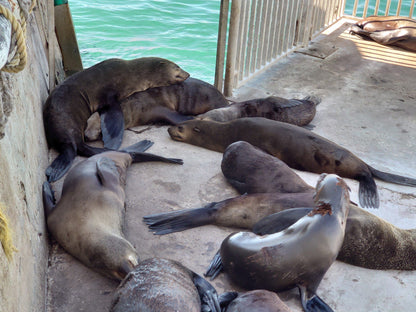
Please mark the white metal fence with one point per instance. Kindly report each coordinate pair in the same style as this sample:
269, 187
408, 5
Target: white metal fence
262, 31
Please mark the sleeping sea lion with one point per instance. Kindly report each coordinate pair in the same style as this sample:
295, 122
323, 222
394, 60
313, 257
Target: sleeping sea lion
369, 241
259, 300
162, 285
98, 88
87, 220
388, 30
298, 256
294, 111
297, 147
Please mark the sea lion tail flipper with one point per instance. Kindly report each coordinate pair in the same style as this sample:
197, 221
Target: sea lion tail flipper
279, 221
60, 165
138, 147
207, 294
48, 198
393, 178
112, 123
312, 303
176, 221
367, 192
215, 267
142, 157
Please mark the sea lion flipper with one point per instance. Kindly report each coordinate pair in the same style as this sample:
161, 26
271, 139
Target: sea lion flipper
142, 157
176, 221
140, 146
367, 192
207, 294
112, 125
48, 198
107, 172
279, 221
215, 267
312, 303
60, 165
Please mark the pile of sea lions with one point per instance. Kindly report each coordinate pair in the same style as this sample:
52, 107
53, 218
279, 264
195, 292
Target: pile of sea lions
295, 231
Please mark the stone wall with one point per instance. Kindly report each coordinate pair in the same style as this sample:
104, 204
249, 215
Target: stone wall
23, 159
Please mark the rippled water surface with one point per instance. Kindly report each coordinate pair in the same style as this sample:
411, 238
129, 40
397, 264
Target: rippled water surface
182, 31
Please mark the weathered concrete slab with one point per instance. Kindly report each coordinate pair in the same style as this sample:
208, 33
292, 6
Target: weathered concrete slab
367, 106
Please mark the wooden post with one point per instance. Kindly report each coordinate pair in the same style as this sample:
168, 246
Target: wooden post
5, 35
222, 38
67, 39
232, 48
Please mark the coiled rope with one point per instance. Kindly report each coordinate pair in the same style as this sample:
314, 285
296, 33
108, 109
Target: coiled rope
20, 58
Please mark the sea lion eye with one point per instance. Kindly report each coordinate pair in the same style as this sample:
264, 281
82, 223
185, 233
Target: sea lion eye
180, 128
196, 129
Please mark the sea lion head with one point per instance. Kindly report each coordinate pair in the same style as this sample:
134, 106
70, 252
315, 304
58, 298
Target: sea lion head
331, 195
164, 72
113, 256
186, 130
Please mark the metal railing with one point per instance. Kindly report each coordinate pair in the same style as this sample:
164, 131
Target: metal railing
262, 31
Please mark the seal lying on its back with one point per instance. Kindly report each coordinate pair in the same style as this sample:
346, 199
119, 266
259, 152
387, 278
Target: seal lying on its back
98, 88
369, 241
162, 285
388, 30
87, 221
298, 256
297, 147
294, 111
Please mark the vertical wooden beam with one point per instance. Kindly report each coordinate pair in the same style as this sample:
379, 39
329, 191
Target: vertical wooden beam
222, 38
232, 48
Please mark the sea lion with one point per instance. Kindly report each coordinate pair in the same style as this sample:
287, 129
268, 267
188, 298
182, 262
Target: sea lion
162, 285
259, 300
98, 88
87, 220
369, 241
294, 111
388, 30
297, 147
298, 256
169, 104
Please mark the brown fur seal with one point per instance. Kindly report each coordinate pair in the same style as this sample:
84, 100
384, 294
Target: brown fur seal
298, 256
388, 30
87, 221
294, 111
161, 285
259, 300
98, 88
297, 147
369, 241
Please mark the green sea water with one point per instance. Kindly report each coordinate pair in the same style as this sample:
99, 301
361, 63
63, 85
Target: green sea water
183, 31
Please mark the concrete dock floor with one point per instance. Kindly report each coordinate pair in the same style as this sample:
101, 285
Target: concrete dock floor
368, 106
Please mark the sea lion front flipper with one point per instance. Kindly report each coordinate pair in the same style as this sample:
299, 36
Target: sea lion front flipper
142, 157
107, 172
215, 267
48, 198
312, 303
138, 147
176, 221
60, 165
207, 294
279, 221
112, 125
